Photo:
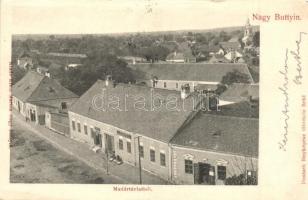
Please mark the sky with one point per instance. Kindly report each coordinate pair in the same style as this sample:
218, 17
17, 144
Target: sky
115, 16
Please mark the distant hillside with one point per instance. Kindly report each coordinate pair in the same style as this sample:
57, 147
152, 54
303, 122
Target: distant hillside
176, 32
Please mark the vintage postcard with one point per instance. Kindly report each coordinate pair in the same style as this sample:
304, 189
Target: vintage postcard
153, 99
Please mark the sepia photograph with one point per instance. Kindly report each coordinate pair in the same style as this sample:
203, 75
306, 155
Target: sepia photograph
175, 107
153, 99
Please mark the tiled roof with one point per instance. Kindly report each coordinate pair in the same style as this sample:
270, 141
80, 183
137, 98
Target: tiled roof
229, 45
35, 87
176, 56
217, 58
187, 71
51, 89
24, 55
234, 39
225, 134
206, 87
160, 124
24, 88
244, 109
238, 92
71, 55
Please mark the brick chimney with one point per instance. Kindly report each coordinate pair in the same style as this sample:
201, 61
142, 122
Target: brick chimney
47, 73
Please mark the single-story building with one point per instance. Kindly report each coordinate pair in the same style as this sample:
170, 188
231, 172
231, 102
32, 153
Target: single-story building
229, 46
218, 58
173, 132
35, 94
212, 148
174, 76
25, 61
181, 57
111, 117
233, 56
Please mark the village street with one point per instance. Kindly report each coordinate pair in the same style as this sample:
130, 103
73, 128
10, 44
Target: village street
40, 155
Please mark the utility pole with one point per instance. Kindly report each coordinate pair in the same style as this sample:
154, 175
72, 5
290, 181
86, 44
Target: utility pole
140, 169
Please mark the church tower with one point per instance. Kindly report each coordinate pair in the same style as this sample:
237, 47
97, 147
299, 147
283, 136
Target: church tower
247, 39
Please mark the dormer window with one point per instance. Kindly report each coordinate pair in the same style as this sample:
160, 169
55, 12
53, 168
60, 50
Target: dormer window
51, 90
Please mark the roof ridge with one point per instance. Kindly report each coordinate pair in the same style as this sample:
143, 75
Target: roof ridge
226, 116
37, 85
214, 151
53, 82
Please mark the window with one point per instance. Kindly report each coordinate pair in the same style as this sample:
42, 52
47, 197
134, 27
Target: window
85, 129
251, 173
141, 151
152, 155
73, 125
129, 147
78, 127
63, 106
221, 172
120, 144
188, 166
162, 159
176, 85
165, 84
252, 177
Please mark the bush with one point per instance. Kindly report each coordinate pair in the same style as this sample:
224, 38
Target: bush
241, 180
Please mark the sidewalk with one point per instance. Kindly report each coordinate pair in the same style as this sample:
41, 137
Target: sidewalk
124, 172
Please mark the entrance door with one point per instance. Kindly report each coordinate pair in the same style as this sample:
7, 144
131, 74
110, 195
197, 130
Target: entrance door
32, 116
98, 139
109, 143
206, 174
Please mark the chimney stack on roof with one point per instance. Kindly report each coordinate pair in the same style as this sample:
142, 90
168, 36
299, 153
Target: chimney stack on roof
185, 90
109, 81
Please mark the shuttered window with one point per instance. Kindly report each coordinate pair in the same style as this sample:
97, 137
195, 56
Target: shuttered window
129, 147
152, 155
73, 125
85, 129
120, 144
162, 159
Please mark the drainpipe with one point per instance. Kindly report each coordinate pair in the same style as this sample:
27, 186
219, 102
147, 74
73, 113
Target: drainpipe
170, 162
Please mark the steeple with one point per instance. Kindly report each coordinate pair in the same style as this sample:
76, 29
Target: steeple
248, 29
248, 34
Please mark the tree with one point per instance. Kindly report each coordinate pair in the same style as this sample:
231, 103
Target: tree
241, 180
244, 174
154, 53
224, 36
235, 77
256, 39
52, 37
17, 74
230, 78
96, 66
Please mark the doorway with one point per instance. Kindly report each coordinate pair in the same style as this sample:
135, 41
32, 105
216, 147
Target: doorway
97, 137
204, 173
109, 145
32, 115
